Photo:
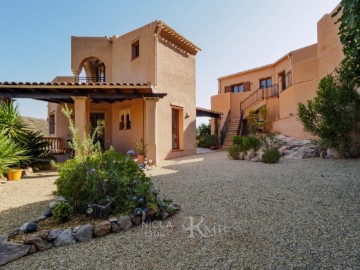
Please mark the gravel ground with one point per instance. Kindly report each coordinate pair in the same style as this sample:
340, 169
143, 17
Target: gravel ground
300, 214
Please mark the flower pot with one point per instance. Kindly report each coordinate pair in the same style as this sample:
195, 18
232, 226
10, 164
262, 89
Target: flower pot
141, 158
14, 174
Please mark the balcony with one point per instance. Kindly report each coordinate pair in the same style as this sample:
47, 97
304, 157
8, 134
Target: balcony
91, 79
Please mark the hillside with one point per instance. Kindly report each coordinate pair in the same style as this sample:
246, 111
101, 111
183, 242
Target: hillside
36, 124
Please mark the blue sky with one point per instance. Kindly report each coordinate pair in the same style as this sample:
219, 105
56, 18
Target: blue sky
233, 34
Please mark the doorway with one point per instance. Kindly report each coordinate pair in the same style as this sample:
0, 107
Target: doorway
97, 122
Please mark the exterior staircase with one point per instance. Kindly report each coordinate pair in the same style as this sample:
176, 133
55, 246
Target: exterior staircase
230, 133
254, 101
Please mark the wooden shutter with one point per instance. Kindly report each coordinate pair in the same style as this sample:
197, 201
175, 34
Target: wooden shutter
246, 86
228, 89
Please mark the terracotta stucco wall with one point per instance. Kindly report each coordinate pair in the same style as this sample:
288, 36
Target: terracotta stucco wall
176, 77
329, 46
84, 48
124, 140
140, 69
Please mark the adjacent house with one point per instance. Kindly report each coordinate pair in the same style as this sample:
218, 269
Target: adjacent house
279, 86
136, 87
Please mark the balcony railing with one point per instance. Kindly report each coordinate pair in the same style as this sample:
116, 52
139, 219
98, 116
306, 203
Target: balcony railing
91, 79
54, 145
258, 95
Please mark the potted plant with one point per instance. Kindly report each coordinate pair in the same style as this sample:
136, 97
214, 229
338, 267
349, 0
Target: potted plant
141, 150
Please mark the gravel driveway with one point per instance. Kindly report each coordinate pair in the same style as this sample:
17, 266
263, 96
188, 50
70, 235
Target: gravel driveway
297, 214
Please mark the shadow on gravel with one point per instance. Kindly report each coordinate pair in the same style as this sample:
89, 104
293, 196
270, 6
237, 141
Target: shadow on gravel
13, 218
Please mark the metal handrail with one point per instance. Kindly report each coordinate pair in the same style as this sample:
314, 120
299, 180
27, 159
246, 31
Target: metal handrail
91, 79
258, 95
240, 123
225, 127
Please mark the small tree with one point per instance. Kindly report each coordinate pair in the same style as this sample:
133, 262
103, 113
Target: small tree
332, 115
252, 120
264, 116
349, 32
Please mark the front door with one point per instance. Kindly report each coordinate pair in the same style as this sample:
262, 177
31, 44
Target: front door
97, 121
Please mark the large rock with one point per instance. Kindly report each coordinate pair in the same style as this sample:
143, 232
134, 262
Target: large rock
84, 233
115, 227
65, 238
297, 149
10, 252
54, 234
125, 222
38, 242
28, 227
102, 228
136, 220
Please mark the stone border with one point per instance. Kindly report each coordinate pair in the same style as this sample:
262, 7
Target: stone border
47, 239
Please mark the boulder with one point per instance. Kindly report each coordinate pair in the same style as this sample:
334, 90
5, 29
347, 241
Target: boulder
38, 242
84, 233
28, 227
41, 218
76, 229
256, 159
54, 234
171, 209
52, 204
115, 227
124, 222
48, 213
136, 220
10, 252
32, 249
176, 205
43, 234
165, 215
65, 238
102, 228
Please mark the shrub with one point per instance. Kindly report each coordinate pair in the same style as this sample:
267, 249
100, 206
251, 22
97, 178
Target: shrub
207, 140
238, 140
62, 211
251, 142
235, 150
271, 155
93, 176
333, 114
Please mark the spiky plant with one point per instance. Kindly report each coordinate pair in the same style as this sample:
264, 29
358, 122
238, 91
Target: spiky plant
10, 154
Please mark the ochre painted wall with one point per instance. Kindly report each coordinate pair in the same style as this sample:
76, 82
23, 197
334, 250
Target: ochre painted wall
176, 77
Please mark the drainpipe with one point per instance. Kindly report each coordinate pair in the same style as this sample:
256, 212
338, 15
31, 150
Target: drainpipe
155, 53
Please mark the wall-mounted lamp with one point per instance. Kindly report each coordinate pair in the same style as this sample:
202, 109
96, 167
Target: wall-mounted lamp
291, 114
187, 115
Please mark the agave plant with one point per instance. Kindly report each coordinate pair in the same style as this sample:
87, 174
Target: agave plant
12, 127
10, 154
10, 121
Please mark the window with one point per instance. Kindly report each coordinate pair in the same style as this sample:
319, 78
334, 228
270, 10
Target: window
175, 129
238, 88
265, 83
51, 124
125, 120
135, 49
